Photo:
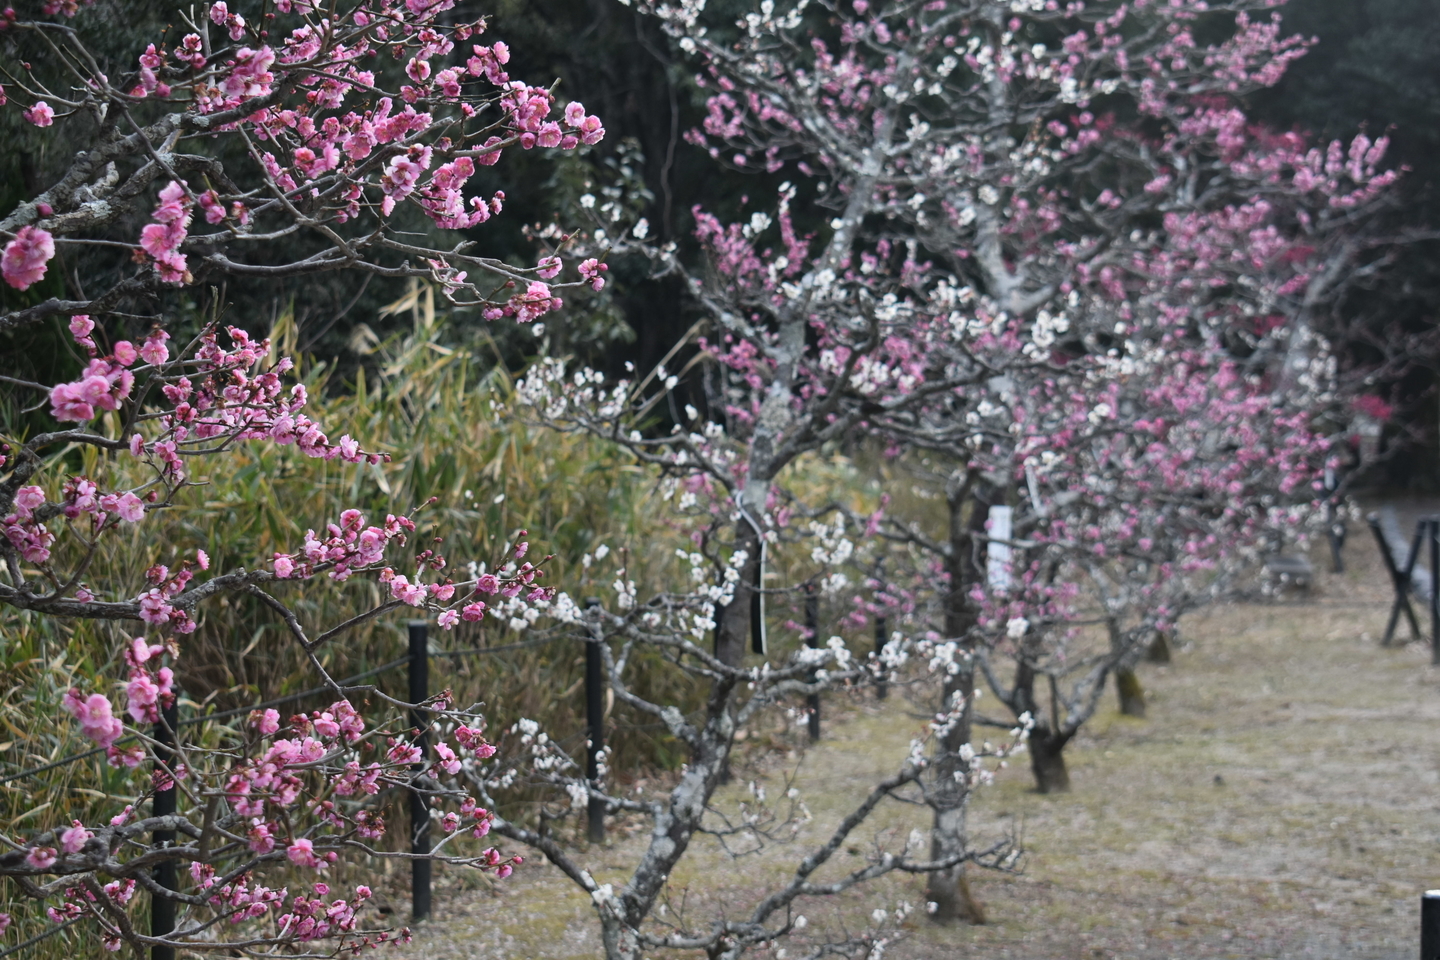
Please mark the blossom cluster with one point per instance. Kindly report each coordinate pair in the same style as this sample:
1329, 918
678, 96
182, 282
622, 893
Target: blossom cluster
297, 765
325, 135
209, 398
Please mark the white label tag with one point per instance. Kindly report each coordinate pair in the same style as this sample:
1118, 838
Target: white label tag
997, 557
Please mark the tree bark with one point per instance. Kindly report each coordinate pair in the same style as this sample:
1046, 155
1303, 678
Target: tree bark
732, 627
619, 940
1159, 649
1132, 694
948, 889
1047, 760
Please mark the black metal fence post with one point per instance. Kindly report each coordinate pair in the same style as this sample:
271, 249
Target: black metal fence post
1430, 925
594, 718
812, 640
1432, 531
881, 637
420, 866
1400, 577
162, 911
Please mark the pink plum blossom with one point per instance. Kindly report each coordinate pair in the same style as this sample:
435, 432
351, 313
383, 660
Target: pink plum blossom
74, 839
301, 852
41, 858
96, 718
24, 261
41, 115
154, 351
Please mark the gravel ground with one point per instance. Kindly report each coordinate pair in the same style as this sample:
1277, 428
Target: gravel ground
1277, 802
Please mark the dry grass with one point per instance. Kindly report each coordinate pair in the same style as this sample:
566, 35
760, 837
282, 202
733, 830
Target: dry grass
1278, 802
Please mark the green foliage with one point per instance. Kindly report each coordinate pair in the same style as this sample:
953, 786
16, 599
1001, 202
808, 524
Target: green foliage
436, 410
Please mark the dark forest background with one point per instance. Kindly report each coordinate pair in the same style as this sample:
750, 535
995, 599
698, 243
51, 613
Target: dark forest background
1374, 67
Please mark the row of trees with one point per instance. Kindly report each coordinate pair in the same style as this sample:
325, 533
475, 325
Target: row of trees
1041, 245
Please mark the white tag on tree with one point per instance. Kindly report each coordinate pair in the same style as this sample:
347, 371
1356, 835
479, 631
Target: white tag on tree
997, 556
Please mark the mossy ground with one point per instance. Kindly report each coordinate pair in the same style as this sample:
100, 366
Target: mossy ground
1278, 801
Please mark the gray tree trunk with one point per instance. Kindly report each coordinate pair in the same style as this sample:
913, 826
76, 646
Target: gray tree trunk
1132, 694
948, 889
1047, 761
1159, 649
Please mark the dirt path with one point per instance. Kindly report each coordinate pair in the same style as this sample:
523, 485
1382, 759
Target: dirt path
1278, 802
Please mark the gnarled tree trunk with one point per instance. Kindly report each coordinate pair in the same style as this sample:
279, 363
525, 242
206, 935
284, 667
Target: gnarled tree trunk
1047, 736
1159, 649
1132, 694
948, 889
1047, 760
